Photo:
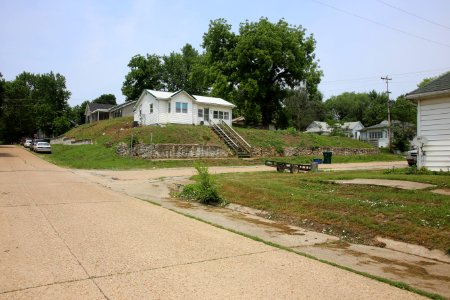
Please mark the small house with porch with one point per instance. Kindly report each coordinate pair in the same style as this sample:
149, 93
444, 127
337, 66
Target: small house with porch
97, 112
158, 108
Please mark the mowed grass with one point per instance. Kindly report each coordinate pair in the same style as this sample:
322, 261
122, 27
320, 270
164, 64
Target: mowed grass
98, 156
353, 212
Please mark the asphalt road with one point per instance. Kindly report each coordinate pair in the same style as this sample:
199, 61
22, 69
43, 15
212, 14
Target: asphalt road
64, 237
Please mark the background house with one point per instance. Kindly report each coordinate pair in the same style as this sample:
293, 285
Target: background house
122, 110
97, 112
352, 129
319, 128
156, 107
378, 134
433, 123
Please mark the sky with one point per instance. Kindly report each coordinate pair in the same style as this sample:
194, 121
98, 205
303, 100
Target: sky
91, 42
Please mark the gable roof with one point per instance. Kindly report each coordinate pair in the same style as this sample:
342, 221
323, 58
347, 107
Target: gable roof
199, 99
351, 125
125, 104
317, 126
97, 106
439, 86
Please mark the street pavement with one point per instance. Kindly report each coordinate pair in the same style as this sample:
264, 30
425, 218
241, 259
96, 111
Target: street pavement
65, 237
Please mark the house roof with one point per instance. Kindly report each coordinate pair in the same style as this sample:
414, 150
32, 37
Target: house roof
350, 125
317, 126
122, 105
199, 99
213, 100
440, 85
99, 106
383, 124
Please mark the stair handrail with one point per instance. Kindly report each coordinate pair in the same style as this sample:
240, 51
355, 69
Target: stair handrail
214, 125
246, 145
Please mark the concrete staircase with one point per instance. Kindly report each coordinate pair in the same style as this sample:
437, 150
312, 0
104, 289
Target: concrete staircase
231, 138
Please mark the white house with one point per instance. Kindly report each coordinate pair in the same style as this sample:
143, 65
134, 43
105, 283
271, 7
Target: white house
378, 134
352, 129
319, 128
433, 123
156, 107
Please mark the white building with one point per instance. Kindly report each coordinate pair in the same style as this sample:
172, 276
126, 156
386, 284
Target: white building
433, 123
352, 129
378, 134
319, 127
156, 107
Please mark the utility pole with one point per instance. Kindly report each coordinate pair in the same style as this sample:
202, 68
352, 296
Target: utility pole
389, 108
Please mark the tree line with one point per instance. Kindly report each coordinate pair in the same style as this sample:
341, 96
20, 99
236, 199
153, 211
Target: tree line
268, 70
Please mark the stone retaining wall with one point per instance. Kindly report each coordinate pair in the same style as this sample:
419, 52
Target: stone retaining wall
299, 151
69, 141
165, 151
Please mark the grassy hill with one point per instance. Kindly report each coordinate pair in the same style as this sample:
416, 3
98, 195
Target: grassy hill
117, 130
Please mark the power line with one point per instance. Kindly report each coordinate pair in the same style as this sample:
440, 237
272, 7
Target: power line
381, 24
414, 15
375, 77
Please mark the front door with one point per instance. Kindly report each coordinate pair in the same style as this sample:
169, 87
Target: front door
206, 114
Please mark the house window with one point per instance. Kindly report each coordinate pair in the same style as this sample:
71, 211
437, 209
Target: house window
168, 109
375, 135
226, 115
200, 113
181, 107
215, 114
151, 108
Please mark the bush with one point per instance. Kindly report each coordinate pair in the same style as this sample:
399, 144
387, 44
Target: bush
204, 191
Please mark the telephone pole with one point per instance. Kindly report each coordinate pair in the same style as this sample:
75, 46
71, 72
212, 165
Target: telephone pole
388, 107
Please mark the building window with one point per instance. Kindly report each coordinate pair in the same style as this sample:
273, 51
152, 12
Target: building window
181, 107
375, 135
200, 113
151, 108
226, 115
168, 109
215, 114
221, 115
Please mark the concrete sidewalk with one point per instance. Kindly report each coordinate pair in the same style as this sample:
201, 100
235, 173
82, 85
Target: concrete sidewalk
62, 236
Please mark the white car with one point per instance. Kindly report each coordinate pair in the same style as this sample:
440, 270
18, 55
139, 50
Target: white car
43, 147
27, 143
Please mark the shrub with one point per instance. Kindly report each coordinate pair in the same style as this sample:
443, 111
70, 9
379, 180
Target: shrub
204, 191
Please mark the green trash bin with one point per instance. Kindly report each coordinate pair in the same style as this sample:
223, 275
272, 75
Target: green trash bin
327, 157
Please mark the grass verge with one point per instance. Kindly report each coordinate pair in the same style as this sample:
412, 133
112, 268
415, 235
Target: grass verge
353, 212
98, 156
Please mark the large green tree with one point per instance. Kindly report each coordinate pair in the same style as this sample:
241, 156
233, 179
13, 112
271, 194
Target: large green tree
302, 108
32, 103
258, 67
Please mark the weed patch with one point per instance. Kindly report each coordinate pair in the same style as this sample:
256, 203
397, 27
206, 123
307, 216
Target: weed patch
204, 191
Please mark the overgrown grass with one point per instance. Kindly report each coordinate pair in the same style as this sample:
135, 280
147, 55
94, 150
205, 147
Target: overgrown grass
289, 138
205, 190
117, 130
353, 212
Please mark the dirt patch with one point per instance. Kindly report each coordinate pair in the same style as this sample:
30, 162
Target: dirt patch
445, 192
400, 184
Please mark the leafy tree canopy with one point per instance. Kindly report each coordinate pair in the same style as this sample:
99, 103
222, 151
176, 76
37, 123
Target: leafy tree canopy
106, 99
258, 67
32, 102
177, 71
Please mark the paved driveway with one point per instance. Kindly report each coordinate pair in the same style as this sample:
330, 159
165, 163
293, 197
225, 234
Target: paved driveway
62, 236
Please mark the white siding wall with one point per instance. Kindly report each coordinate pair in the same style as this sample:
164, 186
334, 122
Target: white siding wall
163, 106
181, 118
434, 124
213, 108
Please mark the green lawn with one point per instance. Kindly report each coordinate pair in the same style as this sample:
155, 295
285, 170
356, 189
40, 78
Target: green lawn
353, 212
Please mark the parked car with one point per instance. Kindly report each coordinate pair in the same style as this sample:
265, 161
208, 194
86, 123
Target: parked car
43, 147
27, 143
35, 141
411, 157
